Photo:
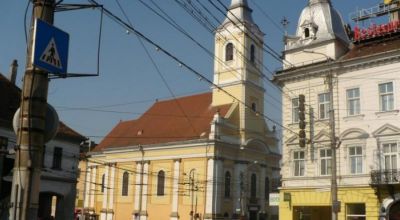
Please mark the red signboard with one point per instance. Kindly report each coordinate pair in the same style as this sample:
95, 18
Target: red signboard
376, 30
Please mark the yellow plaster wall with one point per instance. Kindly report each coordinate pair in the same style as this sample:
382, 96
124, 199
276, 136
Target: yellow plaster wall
167, 167
124, 167
123, 211
312, 197
221, 98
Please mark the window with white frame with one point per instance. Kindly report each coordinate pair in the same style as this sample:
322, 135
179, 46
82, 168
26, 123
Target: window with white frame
324, 105
295, 110
390, 155
355, 211
355, 159
386, 97
325, 157
353, 101
299, 163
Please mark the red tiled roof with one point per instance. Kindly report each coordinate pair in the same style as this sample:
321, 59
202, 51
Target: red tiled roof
181, 119
379, 45
10, 97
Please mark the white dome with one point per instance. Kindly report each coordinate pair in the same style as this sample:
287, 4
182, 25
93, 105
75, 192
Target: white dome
325, 23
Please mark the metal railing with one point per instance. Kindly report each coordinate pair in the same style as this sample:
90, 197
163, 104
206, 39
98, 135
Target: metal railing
379, 177
374, 11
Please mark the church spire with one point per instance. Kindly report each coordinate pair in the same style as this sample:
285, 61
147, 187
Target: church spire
239, 12
311, 2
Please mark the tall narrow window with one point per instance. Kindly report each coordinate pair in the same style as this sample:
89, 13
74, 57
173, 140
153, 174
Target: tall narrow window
125, 183
252, 53
295, 110
386, 97
299, 163
57, 157
306, 32
353, 101
266, 188
44, 156
390, 156
324, 105
253, 186
325, 156
160, 183
227, 184
103, 180
229, 52
355, 156
254, 107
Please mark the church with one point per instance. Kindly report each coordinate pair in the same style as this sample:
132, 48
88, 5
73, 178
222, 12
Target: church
205, 156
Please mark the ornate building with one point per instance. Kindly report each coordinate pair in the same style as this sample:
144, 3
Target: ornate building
205, 156
363, 75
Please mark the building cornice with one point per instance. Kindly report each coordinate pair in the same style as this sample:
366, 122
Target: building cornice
338, 67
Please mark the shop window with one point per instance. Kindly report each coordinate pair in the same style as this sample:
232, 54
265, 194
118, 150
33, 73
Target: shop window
355, 211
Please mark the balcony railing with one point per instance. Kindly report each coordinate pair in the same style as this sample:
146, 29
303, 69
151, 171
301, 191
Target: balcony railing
379, 177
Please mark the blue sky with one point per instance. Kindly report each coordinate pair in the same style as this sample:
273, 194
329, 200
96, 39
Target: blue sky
129, 83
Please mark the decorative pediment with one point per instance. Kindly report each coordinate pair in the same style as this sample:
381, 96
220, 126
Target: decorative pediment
322, 136
308, 23
386, 130
257, 145
353, 133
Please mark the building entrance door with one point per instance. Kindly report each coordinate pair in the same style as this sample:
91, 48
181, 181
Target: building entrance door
394, 211
253, 215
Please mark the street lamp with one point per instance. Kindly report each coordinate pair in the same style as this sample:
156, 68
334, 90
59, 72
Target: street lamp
334, 199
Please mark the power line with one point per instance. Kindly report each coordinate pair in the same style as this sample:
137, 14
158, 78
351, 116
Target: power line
198, 74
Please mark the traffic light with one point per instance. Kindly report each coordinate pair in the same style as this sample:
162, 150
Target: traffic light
302, 121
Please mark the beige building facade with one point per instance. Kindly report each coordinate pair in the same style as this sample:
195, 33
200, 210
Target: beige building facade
366, 120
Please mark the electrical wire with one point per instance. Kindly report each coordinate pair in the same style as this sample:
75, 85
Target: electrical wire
198, 74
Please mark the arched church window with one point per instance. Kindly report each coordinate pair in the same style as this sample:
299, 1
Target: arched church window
160, 183
229, 52
306, 32
227, 184
254, 106
252, 53
125, 181
266, 188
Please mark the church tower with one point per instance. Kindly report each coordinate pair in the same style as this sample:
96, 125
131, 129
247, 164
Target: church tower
320, 34
238, 68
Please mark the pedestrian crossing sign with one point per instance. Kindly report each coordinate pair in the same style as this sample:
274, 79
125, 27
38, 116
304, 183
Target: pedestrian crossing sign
50, 48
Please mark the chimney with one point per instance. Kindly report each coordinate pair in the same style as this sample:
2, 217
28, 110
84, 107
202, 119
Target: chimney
13, 71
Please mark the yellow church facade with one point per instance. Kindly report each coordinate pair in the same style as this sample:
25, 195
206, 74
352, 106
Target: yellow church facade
205, 156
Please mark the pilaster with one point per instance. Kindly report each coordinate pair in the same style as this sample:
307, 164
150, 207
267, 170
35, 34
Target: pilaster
175, 191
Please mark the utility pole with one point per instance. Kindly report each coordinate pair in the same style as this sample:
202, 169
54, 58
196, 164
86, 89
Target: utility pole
141, 181
335, 203
30, 136
242, 197
191, 182
334, 187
